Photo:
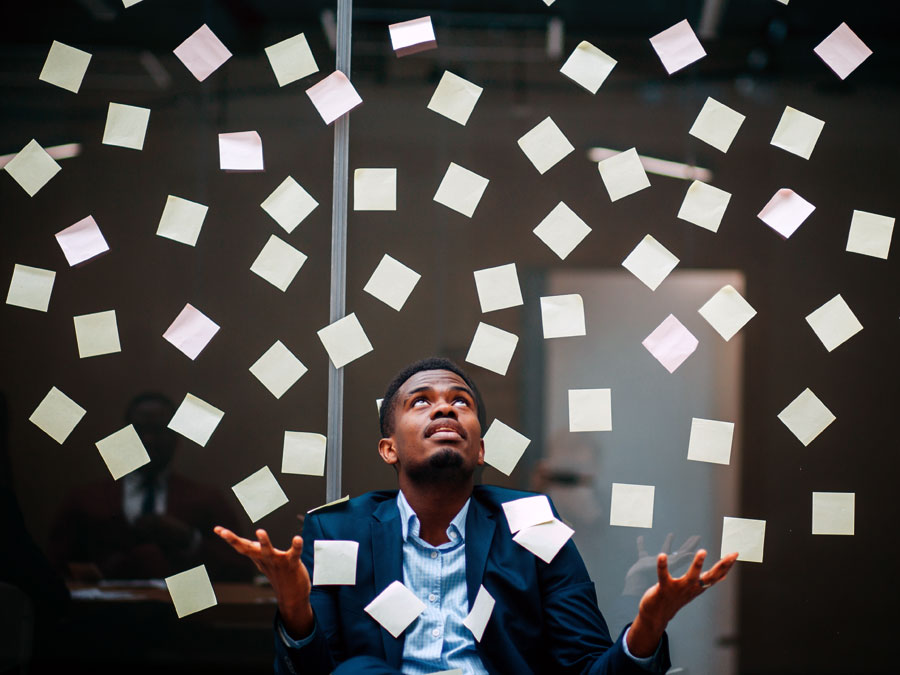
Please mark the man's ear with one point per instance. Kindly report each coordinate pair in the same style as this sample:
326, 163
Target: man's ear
481, 452
387, 450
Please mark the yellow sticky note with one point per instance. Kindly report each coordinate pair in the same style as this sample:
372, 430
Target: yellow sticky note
291, 59
710, 441
717, 124
651, 262
870, 234
797, 132
65, 66
562, 230
123, 452
623, 174
545, 145
704, 205
30, 287
631, 505
461, 189
334, 562
745, 536
806, 416
345, 340
455, 98
191, 591
57, 415
503, 446
196, 419
32, 168
833, 512
289, 204
392, 282
562, 315
304, 453
260, 494
588, 66
834, 322
278, 263
498, 287
181, 220
727, 311
278, 369
97, 334
375, 190
492, 348
126, 126
590, 410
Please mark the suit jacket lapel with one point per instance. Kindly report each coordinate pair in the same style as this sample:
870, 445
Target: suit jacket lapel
387, 561
480, 527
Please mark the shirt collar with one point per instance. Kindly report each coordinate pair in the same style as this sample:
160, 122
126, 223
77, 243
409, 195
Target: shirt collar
409, 521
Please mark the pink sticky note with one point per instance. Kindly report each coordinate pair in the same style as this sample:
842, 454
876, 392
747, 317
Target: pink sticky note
333, 96
671, 343
409, 37
202, 53
81, 241
241, 151
843, 51
785, 212
677, 47
191, 331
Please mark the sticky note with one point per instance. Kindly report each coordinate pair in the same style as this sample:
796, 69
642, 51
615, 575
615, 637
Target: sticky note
588, 66
503, 447
345, 340
32, 168
562, 230
631, 505
395, 608
181, 220
289, 204
410, 37
562, 315
527, 511
492, 348
392, 282
834, 322
710, 441
278, 263
241, 151
126, 126
202, 53
651, 262
785, 212
81, 241
744, 536
477, 619
843, 51
727, 311
191, 331
670, 343
191, 591
129, 3
30, 287
260, 494
590, 410
278, 369
498, 287
196, 419
833, 512
623, 174
717, 124
333, 96
797, 132
97, 334
65, 66
57, 415
544, 539
455, 98
677, 47
334, 562
461, 189
806, 417
545, 145
704, 205
303, 453
375, 190
870, 234
332, 503
291, 59
123, 452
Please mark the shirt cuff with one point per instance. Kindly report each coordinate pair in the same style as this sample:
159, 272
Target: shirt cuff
297, 644
645, 661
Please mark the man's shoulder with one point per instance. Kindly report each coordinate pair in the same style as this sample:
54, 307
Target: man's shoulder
357, 507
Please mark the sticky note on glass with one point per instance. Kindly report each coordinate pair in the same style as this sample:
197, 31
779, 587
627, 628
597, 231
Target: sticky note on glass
785, 212
590, 410
410, 37
57, 415
129, 3
81, 241
202, 53
744, 536
480, 614
717, 124
126, 126
671, 343
191, 331
97, 334
123, 452
631, 505
806, 417
32, 168
562, 315
334, 562
181, 220
289, 204
278, 369
834, 322
870, 234
461, 189
528, 511
545, 145
545, 539
710, 441
562, 230
492, 348
651, 262
291, 59
260, 494
191, 591
345, 340
303, 453
196, 419
392, 282
704, 205
843, 51
278, 263
375, 190
395, 608
797, 132
241, 151
677, 47
727, 311
623, 174
455, 98
498, 287
833, 512
588, 66
504, 447
65, 67
333, 96
30, 287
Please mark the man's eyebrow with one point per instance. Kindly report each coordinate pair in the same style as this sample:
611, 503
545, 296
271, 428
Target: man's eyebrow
428, 387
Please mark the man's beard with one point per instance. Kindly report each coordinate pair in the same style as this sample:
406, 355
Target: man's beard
446, 466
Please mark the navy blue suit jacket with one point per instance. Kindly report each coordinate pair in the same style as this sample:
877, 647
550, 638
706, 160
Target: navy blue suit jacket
545, 619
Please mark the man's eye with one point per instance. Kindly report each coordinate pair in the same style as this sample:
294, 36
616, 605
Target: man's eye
420, 401
461, 401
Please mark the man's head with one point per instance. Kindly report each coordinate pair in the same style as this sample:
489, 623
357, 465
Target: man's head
150, 413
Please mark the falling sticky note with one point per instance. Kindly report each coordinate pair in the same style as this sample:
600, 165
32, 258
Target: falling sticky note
260, 494
544, 539
126, 126
588, 66
303, 453
562, 230
181, 220
744, 536
480, 614
334, 562
202, 53
57, 415
278, 263
32, 168
833, 512
785, 212
727, 311
562, 315
670, 343
498, 287
191, 331
241, 151
123, 452
30, 287
834, 322
843, 51
291, 59
278, 369
704, 205
651, 262
623, 174
492, 348
65, 66
333, 96
395, 608
545, 145
191, 591
340, 500
196, 419
631, 505
81, 241
797, 132
97, 334
345, 340
806, 416
527, 511
392, 282
677, 47
590, 410
717, 124
461, 189
455, 98
129, 3
710, 441
375, 190
503, 447
870, 234
289, 204
410, 37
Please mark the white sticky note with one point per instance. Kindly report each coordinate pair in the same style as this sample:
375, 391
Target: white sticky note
455, 98
651, 262
503, 447
671, 343
334, 562
57, 415
834, 322
562, 230
333, 96
129, 3
392, 282
704, 205
278, 263
304, 453
785, 212
278, 369
588, 66
289, 204
461, 189
345, 340
375, 190
797, 132
545, 145
410, 37
717, 124
590, 410
241, 151
65, 66
623, 174
727, 311
492, 348
631, 505
123, 452
710, 441
202, 53
81, 241
30, 287
744, 536
126, 126
833, 512
480, 614
527, 511
191, 331
395, 608
677, 47
196, 419
181, 220
340, 500
97, 334
562, 315
498, 287
191, 590
806, 416
291, 59
32, 168
843, 51
870, 234
545, 539
260, 494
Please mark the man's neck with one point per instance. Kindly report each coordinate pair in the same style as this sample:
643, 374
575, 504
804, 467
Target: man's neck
435, 506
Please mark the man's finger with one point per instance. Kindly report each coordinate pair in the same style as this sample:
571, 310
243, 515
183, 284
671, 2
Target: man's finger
697, 565
662, 569
296, 547
264, 542
239, 544
721, 568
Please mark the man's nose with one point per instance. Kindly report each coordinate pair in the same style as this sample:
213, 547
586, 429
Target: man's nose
443, 408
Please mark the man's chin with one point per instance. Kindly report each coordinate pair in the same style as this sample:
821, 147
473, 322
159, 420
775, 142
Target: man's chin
446, 465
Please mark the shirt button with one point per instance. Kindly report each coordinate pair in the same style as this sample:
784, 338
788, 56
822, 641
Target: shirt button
432, 597
453, 535
436, 632
433, 556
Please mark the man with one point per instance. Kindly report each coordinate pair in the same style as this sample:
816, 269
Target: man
444, 538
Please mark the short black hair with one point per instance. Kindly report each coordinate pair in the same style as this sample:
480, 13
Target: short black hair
386, 412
